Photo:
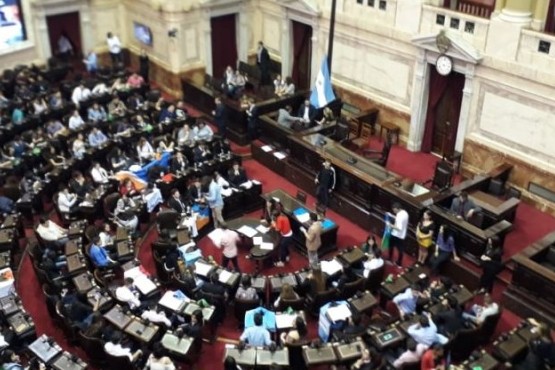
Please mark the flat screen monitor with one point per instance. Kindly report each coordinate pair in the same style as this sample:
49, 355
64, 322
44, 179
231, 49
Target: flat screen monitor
142, 33
12, 27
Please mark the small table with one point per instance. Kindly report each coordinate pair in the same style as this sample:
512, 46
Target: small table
390, 129
21, 323
45, 348
265, 357
463, 295
352, 257
485, 362
143, 332
9, 305
389, 338
124, 249
71, 247
174, 344
67, 361
246, 357
364, 303
415, 275
75, 264
83, 282
104, 297
319, 356
76, 229
511, 348
257, 253
285, 321
390, 290
349, 352
117, 317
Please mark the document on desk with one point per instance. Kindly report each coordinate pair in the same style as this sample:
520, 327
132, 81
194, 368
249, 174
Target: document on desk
172, 302
267, 148
216, 236
339, 313
133, 273
262, 229
144, 284
257, 240
224, 276
331, 267
280, 155
285, 321
267, 246
303, 217
202, 268
247, 231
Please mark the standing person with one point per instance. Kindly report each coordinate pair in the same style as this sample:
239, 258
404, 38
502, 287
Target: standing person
325, 183
114, 46
65, 48
282, 225
219, 116
144, 65
215, 200
491, 264
445, 247
424, 236
398, 232
263, 62
91, 62
252, 118
313, 239
228, 243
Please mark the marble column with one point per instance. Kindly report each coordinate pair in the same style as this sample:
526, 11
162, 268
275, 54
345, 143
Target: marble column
86, 29
286, 46
41, 29
419, 103
464, 113
540, 15
517, 11
505, 29
243, 34
207, 36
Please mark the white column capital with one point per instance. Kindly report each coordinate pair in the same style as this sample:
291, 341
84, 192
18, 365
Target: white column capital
517, 17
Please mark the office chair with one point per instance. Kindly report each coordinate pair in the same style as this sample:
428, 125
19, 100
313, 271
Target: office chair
443, 176
380, 156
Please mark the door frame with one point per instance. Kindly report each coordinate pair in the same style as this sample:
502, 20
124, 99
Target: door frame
310, 52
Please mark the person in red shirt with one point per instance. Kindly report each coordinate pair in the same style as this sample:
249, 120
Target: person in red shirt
282, 225
433, 359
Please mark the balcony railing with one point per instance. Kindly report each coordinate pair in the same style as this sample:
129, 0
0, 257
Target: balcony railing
478, 8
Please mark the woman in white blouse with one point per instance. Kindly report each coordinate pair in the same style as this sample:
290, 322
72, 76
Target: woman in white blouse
79, 148
145, 150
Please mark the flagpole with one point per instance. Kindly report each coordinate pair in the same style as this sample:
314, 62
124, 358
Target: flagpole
331, 35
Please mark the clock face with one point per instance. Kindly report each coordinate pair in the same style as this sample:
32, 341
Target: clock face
444, 65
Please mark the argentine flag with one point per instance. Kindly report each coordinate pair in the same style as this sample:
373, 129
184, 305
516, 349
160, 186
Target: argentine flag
322, 93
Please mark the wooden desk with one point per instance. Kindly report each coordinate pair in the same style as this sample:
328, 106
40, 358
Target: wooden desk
389, 338
290, 206
268, 157
207, 312
363, 304
118, 318
319, 356
246, 357
390, 290
510, 349
75, 264
67, 361
174, 344
352, 257
121, 235
45, 348
415, 274
493, 207
83, 282
71, 247
286, 321
349, 352
124, 249
141, 331
9, 305
265, 357
21, 323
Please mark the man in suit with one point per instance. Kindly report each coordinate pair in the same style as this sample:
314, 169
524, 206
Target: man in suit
313, 240
219, 116
263, 62
179, 163
176, 203
237, 175
463, 207
252, 114
325, 183
306, 113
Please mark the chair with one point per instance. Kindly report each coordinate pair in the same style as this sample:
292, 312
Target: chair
242, 306
110, 203
67, 326
496, 187
341, 133
51, 297
488, 327
464, 343
513, 192
379, 156
477, 219
194, 353
313, 304
164, 275
168, 220
90, 232
350, 289
301, 196
363, 139
94, 348
119, 362
295, 304
443, 176
218, 302
374, 279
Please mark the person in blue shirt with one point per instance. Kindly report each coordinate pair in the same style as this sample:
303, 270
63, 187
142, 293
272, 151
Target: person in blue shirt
91, 62
99, 256
257, 335
97, 138
215, 201
97, 113
17, 115
425, 332
406, 301
19, 147
167, 114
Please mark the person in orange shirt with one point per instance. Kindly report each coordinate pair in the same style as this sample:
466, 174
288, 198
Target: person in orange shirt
282, 225
433, 358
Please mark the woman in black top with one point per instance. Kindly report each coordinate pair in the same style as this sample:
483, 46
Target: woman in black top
144, 65
491, 264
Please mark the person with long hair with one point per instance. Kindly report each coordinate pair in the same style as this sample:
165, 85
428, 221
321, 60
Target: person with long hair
445, 248
286, 293
491, 264
424, 236
297, 334
157, 360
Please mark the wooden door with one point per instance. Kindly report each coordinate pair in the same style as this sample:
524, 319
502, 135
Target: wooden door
67, 24
302, 55
447, 116
224, 44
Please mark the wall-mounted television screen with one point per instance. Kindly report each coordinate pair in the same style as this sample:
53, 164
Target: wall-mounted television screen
142, 33
12, 27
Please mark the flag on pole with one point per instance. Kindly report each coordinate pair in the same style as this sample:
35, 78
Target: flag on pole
386, 233
322, 92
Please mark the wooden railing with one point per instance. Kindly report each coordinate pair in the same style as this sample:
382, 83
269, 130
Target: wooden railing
478, 8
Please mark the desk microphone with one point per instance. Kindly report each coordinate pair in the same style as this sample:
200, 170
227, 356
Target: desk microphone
352, 160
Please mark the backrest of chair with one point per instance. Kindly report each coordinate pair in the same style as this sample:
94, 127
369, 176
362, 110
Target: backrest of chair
244, 305
301, 196
324, 297
296, 360
167, 219
349, 289
93, 347
296, 304
411, 366
513, 192
489, 325
110, 203
120, 362
90, 232
374, 279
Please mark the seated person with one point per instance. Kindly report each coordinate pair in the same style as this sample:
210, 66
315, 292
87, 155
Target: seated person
370, 246
39, 106
99, 175
201, 153
97, 138
279, 84
80, 94
119, 160
237, 175
185, 135
100, 89
115, 347
433, 358
135, 101
79, 147
306, 113
145, 152
176, 203
374, 262
128, 294
18, 115
478, 313
165, 145
51, 232
295, 335
204, 132
412, 354
96, 113
315, 282
119, 85
450, 319
425, 331
55, 129
257, 335
76, 123
106, 236
327, 117
406, 301
179, 163
245, 290
11, 361
286, 293
152, 197
116, 108
79, 314
125, 213
157, 360
221, 147
52, 265
135, 81
79, 185
285, 118
154, 316
270, 207
541, 349
463, 207
288, 88
194, 328
180, 110
128, 188
167, 114
213, 286
19, 146
99, 256
55, 101
67, 202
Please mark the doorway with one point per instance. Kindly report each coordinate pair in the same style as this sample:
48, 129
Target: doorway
444, 108
67, 24
302, 55
224, 44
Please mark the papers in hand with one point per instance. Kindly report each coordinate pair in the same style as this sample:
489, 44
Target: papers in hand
257, 240
303, 229
216, 237
339, 313
247, 231
202, 268
266, 148
262, 229
280, 155
224, 276
303, 217
267, 246
331, 267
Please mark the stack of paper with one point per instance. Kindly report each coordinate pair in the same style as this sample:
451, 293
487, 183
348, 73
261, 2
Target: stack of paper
280, 155
216, 236
339, 313
262, 229
331, 267
267, 246
303, 217
224, 276
172, 302
266, 148
202, 268
248, 231
285, 321
257, 240
144, 284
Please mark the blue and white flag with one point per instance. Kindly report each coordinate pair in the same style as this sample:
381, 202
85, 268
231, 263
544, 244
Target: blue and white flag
322, 93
